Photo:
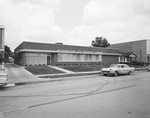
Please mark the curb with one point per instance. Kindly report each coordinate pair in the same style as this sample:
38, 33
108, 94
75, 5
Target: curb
75, 73
71, 74
52, 80
35, 82
141, 69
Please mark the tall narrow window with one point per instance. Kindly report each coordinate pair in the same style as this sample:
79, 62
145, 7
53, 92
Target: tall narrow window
78, 57
90, 57
97, 57
86, 57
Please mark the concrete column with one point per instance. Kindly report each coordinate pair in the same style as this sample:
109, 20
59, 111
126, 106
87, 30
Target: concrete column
2, 28
2, 31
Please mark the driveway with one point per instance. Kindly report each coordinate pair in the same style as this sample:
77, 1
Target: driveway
18, 74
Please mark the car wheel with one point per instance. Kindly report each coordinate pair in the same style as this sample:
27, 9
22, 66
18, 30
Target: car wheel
116, 74
105, 74
129, 72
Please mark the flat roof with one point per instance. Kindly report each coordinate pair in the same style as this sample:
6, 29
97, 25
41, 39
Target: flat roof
130, 42
47, 47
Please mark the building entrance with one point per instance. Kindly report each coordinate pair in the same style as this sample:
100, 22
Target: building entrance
48, 59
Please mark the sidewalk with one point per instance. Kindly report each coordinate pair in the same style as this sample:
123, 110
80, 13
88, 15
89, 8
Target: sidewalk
59, 77
61, 69
74, 73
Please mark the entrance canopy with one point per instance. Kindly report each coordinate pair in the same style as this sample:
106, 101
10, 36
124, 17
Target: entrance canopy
130, 54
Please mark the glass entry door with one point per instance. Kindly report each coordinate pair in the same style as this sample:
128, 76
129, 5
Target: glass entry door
49, 59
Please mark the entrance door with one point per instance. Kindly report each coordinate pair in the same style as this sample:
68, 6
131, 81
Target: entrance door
48, 59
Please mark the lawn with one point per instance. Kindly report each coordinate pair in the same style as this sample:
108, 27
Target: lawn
83, 68
39, 70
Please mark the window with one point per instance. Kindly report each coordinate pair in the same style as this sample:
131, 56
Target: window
27, 57
43, 57
86, 57
126, 66
32, 57
123, 59
93, 57
97, 57
78, 57
90, 57
39, 58
122, 66
60, 58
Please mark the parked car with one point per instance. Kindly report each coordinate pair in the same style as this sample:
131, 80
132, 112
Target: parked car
117, 69
3, 78
148, 68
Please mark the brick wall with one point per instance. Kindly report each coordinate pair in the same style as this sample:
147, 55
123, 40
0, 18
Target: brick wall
108, 60
139, 47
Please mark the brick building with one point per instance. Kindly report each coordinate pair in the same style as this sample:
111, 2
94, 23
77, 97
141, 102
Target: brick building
140, 48
32, 53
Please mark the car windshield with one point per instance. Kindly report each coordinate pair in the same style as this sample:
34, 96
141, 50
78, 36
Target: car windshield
114, 66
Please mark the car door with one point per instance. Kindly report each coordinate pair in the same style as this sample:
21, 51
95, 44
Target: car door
123, 70
126, 69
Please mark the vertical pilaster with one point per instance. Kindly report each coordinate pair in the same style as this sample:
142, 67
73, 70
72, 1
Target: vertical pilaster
2, 31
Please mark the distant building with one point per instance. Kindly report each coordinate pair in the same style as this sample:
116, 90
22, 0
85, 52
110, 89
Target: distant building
138, 49
32, 53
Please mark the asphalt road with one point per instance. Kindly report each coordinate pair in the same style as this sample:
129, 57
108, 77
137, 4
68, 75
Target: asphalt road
86, 97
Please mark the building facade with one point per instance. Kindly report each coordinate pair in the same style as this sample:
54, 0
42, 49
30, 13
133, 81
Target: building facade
2, 31
32, 53
140, 48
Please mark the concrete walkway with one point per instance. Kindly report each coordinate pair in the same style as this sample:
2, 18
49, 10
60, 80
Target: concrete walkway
18, 74
62, 69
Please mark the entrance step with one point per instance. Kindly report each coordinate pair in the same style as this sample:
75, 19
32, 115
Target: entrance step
61, 69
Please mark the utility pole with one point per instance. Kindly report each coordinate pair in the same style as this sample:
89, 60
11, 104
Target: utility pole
140, 56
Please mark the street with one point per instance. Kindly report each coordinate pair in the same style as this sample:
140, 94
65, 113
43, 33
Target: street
92, 96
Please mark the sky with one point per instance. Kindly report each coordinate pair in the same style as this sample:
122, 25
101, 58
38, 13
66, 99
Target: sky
74, 22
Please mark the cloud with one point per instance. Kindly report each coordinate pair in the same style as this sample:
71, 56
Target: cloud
80, 35
55, 4
117, 20
35, 20
29, 20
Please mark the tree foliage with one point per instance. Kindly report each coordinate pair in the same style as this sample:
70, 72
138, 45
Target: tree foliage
1, 58
100, 42
7, 53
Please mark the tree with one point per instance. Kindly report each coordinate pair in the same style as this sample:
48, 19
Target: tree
7, 53
100, 42
1, 58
